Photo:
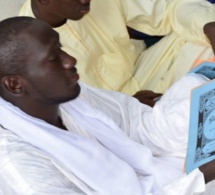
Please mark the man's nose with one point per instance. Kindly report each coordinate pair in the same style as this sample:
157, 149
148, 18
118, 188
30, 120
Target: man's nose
68, 61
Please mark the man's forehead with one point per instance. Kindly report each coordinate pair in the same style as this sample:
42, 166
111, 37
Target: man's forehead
39, 33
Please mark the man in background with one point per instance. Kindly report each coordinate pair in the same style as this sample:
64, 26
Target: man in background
109, 59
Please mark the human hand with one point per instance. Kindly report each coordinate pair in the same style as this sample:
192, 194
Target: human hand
208, 170
209, 30
147, 97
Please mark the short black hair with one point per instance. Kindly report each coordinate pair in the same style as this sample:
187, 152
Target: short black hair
12, 49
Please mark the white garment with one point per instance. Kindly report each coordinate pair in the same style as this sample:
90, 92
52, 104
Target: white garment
120, 155
26, 170
210, 188
163, 128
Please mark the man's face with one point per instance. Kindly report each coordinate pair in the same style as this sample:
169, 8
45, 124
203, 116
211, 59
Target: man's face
50, 76
70, 9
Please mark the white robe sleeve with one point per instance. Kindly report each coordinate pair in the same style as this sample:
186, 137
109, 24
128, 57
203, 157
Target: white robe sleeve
163, 128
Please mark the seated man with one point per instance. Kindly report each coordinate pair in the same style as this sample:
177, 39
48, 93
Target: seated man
61, 137
95, 33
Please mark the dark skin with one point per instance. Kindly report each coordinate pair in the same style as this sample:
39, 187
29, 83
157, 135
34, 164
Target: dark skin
51, 12
209, 30
56, 12
147, 97
208, 170
50, 77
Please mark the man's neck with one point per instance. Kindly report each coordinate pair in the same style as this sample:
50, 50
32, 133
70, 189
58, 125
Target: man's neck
48, 113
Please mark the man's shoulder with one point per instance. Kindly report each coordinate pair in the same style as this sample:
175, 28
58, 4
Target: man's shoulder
13, 147
28, 167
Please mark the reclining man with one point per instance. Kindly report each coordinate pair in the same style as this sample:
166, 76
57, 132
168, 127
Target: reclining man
95, 33
62, 137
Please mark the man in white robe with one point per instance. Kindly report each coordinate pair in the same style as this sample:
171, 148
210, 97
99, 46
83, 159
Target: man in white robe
62, 137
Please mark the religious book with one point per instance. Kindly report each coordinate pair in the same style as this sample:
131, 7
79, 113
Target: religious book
201, 143
206, 68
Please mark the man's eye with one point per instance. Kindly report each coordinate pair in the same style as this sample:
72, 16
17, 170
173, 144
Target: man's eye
52, 59
56, 56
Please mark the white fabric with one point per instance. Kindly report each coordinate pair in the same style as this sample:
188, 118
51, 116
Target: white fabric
120, 155
164, 129
38, 132
210, 188
26, 170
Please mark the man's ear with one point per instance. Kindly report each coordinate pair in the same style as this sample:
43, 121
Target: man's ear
12, 84
44, 2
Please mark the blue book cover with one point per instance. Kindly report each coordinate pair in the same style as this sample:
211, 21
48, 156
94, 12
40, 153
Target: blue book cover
201, 143
206, 68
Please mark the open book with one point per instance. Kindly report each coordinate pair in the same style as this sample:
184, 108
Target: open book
201, 143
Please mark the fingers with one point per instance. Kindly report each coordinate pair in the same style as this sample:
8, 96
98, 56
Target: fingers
147, 97
147, 94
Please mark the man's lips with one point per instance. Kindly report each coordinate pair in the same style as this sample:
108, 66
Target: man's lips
85, 9
75, 77
74, 74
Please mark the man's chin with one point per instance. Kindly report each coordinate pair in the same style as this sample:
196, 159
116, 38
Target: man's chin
79, 17
76, 92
